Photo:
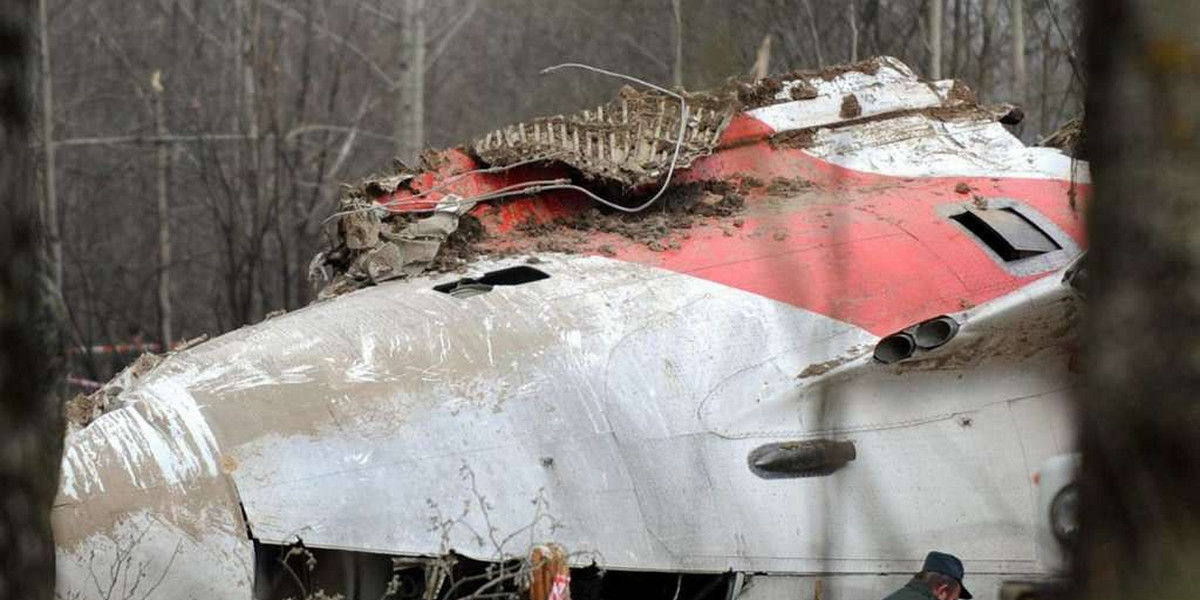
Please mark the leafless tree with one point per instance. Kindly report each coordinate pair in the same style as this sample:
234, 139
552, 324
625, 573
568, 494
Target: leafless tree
30, 415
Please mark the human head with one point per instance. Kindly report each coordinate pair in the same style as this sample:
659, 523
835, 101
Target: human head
943, 587
939, 568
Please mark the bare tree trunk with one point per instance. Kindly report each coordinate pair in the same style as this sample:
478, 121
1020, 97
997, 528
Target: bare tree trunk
852, 7
968, 39
30, 354
1140, 417
935, 38
677, 68
1020, 80
164, 217
762, 58
410, 108
959, 41
812, 29
1043, 101
50, 183
985, 53
250, 165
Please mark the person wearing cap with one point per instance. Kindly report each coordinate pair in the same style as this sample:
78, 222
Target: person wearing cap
941, 578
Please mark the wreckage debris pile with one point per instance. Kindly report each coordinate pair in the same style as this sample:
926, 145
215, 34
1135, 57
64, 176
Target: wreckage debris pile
621, 151
621, 148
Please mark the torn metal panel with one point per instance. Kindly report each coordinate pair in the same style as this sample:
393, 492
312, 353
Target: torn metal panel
376, 250
630, 141
144, 510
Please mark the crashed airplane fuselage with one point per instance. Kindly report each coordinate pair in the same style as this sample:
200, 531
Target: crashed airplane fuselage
842, 338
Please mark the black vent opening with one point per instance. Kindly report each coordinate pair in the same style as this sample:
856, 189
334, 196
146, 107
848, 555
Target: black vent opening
473, 286
1009, 234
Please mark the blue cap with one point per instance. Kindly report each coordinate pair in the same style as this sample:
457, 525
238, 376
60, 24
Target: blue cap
948, 565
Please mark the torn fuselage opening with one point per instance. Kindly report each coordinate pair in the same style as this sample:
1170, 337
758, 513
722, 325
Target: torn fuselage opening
473, 286
295, 571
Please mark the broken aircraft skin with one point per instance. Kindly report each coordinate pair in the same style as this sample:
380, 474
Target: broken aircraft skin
751, 392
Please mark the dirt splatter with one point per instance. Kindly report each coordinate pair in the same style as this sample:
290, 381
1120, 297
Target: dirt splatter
801, 89
764, 92
798, 139
759, 93
851, 109
782, 187
750, 181
462, 247
869, 67
961, 93
821, 368
677, 211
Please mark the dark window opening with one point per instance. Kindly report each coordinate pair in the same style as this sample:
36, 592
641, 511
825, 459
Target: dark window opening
1007, 233
591, 583
295, 571
473, 286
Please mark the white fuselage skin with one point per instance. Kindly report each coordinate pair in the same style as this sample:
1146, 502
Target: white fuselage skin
610, 408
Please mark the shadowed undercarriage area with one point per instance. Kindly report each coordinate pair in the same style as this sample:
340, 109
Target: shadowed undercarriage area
297, 572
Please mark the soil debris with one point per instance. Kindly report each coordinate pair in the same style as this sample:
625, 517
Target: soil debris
781, 186
851, 109
676, 212
961, 93
801, 89
870, 66
819, 368
962, 188
1069, 138
798, 139
759, 93
751, 181
82, 410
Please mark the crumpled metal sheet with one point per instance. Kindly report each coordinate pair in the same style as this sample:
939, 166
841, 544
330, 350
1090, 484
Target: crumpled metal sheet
144, 508
629, 141
377, 247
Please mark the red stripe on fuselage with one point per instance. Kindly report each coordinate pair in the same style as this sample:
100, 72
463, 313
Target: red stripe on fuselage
867, 249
